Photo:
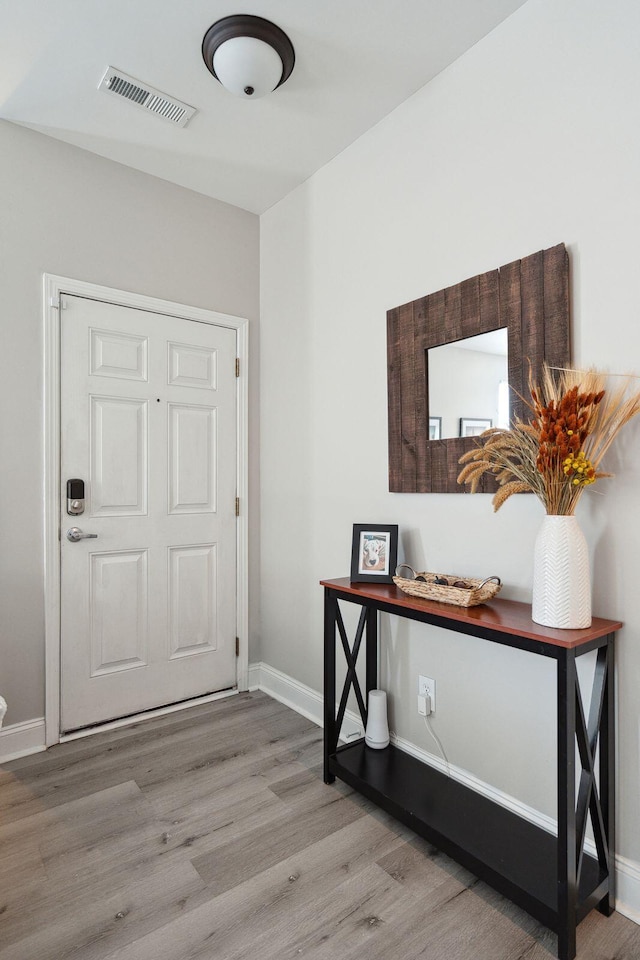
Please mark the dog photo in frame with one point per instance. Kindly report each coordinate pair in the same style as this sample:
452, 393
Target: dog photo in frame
374, 552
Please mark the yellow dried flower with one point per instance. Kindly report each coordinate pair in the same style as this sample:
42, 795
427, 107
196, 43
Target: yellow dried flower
579, 469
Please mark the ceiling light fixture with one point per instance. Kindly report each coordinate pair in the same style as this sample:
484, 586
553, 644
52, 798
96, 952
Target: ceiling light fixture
248, 55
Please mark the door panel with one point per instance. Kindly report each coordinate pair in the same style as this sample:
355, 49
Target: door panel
192, 366
119, 600
118, 443
192, 599
193, 458
148, 417
118, 355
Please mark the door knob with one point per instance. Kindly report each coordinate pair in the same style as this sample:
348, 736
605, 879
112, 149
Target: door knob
75, 533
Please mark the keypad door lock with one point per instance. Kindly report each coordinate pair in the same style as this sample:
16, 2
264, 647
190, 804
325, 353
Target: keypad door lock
75, 497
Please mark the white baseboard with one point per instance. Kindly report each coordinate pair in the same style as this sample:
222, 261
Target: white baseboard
309, 703
20, 739
299, 697
628, 888
474, 783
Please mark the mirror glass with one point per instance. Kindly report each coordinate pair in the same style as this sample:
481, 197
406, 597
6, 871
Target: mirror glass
468, 386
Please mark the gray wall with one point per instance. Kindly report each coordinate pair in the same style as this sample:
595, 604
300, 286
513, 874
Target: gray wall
66, 211
528, 140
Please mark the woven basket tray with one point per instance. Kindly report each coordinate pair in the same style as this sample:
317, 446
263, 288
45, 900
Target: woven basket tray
480, 590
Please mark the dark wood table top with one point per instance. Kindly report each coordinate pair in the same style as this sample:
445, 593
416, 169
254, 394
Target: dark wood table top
503, 616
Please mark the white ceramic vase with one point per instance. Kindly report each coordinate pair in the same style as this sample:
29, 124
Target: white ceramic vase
561, 578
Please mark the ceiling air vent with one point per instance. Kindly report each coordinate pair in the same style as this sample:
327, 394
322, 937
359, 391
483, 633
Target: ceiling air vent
120, 85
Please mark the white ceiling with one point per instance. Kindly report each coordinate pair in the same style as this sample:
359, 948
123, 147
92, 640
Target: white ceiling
356, 60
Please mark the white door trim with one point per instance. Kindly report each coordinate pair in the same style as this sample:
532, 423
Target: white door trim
54, 286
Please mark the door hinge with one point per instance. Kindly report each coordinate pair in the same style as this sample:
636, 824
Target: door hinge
237, 506
237, 366
55, 303
237, 646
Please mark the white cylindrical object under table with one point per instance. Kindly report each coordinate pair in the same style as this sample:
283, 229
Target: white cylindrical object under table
377, 732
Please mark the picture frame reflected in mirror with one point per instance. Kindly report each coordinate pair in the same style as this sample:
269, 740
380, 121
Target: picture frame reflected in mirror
474, 426
435, 428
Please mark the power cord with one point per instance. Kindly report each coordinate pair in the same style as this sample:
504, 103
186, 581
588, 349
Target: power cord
424, 710
435, 736
426, 706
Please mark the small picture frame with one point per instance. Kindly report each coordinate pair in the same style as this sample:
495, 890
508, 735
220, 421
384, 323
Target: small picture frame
435, 428
473, 427
374, 552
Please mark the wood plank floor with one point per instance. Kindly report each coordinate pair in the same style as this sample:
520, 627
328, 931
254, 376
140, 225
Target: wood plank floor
209, 835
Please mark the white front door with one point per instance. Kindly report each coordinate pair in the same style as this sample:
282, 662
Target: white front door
148, 423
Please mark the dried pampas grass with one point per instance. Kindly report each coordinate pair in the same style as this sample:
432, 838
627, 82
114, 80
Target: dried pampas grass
576, 416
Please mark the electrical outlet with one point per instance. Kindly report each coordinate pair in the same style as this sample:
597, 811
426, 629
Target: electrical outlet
427, 688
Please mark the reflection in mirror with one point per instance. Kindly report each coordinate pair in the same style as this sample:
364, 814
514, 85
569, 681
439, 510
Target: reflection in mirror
468, 388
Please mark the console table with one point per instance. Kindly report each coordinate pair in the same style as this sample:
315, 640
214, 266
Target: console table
549, 876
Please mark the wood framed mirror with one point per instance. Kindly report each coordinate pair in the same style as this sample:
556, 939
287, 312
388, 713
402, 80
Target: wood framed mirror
530, 299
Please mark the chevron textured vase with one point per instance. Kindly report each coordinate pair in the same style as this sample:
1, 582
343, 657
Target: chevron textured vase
561, 578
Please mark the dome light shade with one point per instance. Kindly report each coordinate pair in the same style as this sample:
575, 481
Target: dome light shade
245, 64
248, 55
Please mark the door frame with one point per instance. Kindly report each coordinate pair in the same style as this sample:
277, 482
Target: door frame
53, 288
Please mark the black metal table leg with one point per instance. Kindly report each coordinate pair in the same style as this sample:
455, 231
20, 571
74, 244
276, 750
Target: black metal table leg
372, 651
607, 774
330, 732
567, 879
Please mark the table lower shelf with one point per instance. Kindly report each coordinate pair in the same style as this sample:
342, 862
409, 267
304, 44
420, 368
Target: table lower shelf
511, 854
